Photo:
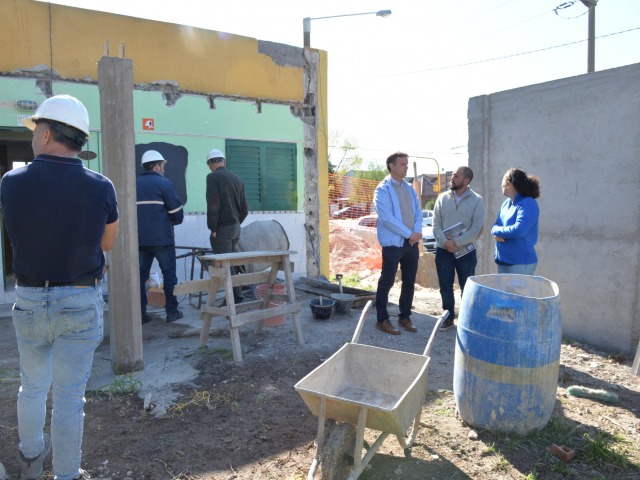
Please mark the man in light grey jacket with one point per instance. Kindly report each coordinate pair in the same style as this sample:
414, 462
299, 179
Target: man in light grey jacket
399, 234
457, 223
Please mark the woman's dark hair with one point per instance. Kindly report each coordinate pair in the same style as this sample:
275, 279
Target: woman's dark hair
526, 185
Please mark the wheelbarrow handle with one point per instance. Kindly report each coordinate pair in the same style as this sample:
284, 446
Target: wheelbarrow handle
363, 316
436, 329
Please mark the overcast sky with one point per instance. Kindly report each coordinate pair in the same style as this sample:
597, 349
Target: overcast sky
403, 82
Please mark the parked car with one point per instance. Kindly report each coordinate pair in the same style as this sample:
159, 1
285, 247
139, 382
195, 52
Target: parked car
427, 215
428, 240
348, 212
366, 229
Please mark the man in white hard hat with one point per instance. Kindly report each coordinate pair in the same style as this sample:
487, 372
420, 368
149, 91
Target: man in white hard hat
60, 218
159, 209
226, 208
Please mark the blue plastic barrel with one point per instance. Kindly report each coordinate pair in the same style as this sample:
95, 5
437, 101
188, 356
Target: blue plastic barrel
507, 357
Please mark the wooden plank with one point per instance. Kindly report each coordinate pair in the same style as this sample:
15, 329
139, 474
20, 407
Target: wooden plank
248, 255
332, 287
359, 301
192, 286
197, 286
255, 315
224, 311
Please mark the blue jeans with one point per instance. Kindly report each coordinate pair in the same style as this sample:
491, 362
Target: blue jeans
407, 257
166, 256
447, 265
523, 269
58, 330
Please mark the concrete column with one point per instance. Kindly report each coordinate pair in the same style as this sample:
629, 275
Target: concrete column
115, 83
316, 167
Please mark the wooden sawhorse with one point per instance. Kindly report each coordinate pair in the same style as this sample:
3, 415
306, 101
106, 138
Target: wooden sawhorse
220, 267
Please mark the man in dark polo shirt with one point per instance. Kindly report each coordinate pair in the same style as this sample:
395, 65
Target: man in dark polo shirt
60, 218
226, 209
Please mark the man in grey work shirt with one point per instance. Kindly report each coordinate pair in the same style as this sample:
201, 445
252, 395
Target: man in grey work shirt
459, 205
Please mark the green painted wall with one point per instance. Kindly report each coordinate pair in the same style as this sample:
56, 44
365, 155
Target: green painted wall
190, 123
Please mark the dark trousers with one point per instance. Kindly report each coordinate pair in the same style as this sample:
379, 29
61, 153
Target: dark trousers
166, 256
226, 241
447, 265
407, 257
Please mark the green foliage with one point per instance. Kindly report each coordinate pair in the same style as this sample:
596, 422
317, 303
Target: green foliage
430, 205
343, 153
373, 172
123, 384
350, 280
601, 451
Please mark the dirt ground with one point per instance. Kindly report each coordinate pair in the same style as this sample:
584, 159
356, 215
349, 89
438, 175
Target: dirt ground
246, 421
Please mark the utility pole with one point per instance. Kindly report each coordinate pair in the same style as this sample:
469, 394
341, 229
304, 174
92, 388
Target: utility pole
591, 57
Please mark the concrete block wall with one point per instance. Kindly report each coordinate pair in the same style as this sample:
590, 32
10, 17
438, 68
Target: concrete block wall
581, 137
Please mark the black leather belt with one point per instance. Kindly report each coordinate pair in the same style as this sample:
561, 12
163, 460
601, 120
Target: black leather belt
27, 282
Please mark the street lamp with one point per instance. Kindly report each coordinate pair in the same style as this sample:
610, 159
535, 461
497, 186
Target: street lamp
306, 22
437, 166
591, 5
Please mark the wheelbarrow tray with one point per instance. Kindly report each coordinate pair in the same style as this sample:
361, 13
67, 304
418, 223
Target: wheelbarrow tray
391, 384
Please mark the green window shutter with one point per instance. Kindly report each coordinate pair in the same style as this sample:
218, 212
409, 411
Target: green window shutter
243, 158
280, 176
268, 170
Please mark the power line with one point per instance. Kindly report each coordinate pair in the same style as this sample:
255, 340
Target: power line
505, 56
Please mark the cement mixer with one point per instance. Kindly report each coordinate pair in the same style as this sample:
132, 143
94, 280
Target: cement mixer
262, 235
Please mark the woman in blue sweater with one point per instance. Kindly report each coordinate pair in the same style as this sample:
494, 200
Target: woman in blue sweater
516, 228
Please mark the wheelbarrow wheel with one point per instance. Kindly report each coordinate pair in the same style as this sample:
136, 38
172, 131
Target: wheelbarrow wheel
337, 454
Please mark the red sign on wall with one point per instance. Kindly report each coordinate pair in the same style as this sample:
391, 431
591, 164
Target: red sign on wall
148, 124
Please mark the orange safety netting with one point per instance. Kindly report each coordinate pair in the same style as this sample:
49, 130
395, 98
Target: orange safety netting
353, 248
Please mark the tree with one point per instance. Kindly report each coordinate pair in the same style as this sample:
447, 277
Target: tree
373, 172
367, 181
343, 155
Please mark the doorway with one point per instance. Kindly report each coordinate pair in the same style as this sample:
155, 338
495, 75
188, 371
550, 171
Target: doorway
15, 151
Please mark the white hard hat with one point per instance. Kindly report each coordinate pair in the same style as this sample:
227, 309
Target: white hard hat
64, 109
151, 156
215, 153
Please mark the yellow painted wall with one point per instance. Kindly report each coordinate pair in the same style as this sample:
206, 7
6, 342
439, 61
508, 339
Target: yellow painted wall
323, 163
201, 61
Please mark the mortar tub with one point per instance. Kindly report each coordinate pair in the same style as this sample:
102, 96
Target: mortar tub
344, 302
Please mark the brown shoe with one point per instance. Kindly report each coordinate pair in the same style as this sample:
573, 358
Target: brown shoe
407, 325
386, 327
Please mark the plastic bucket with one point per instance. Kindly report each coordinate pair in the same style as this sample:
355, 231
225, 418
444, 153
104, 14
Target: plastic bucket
507, 355
279, 289
321, 312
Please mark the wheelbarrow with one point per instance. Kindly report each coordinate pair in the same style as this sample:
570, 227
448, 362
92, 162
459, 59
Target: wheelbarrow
366, 387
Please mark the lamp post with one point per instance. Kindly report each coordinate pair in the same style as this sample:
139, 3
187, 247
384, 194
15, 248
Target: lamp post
306, 22
591, 60
437, 166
